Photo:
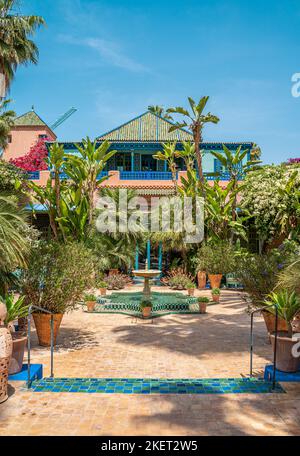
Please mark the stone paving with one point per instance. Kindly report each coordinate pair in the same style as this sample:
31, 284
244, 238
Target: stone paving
174, 346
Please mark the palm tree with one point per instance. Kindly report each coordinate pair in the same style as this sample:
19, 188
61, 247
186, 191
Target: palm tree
6, 122
195, 121
16, 48
169, 154
14, 246
159, 111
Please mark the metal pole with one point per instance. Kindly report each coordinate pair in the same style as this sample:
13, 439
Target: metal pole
275, 349
251, 345
28, 347
51, 348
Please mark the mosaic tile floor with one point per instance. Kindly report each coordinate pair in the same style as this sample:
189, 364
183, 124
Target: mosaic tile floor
155, 385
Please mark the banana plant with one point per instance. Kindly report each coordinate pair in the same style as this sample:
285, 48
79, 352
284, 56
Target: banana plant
195, 121
187, 154
84, 169
169, 155
235, 167
218, 210
74, 210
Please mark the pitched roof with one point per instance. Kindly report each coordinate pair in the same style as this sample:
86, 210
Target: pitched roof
146, 127
31, 119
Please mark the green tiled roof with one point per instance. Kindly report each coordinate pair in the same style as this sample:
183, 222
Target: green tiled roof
30, 119
146, 127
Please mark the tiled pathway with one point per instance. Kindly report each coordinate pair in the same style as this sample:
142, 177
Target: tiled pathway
215, 345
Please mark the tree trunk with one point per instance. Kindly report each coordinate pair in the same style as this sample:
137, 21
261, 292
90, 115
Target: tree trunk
197, 141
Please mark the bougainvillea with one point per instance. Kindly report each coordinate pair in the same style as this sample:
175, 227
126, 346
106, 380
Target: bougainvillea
263, 196
34, 160
291, 161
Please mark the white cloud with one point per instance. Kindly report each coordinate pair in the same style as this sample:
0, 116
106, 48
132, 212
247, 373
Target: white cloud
108, 50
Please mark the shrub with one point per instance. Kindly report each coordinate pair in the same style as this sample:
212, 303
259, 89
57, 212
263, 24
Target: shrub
57, 276
190, 285
89, 297
177, 279
216, 291
116, 281
203, 299
102, 284
10, 176
217, 258
287, 304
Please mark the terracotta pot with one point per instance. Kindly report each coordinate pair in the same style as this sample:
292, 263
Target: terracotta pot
43, 328
191, 291
202, 307
90, 305
113, 271
270, 322
5, 354
17, 357
146, 312
201, 277
216, 298
285, 361
215, 280
103, 291
296, 324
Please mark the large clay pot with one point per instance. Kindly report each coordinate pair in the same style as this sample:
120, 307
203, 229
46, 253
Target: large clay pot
201, 277
43, 328
146, 312
270, 322
17, 357
5, 354
215, 280
285, 361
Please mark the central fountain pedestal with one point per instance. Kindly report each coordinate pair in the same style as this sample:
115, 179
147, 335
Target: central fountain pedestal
147, 274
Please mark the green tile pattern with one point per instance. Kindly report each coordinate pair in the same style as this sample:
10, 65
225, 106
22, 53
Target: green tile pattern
155, 385
162, 303
29, 119
147, 127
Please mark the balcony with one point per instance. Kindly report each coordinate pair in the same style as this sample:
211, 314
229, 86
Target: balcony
145, 175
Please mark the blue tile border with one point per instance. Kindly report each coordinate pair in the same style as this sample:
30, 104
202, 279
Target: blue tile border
156, 386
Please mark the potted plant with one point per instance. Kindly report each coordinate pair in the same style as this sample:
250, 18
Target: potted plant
288, 307
15, 309
190, 286
202, 301
218, 258
201, 272
5, 353
103, 287
146, 308
55, 280
90, 301
215, 293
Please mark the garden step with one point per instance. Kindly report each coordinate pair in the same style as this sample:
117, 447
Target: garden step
156, 385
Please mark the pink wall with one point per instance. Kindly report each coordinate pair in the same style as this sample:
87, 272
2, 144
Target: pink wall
22, 138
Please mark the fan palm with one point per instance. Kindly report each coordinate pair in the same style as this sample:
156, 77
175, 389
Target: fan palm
16, 48
195, 121
6, 122
14, 246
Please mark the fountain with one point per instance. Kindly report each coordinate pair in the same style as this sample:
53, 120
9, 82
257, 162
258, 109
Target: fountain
147, 274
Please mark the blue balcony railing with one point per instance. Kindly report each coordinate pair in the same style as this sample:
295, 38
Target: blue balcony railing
65, 175
33, 175
145, 175
102, 174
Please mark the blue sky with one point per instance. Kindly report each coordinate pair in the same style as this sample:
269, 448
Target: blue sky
111, 59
